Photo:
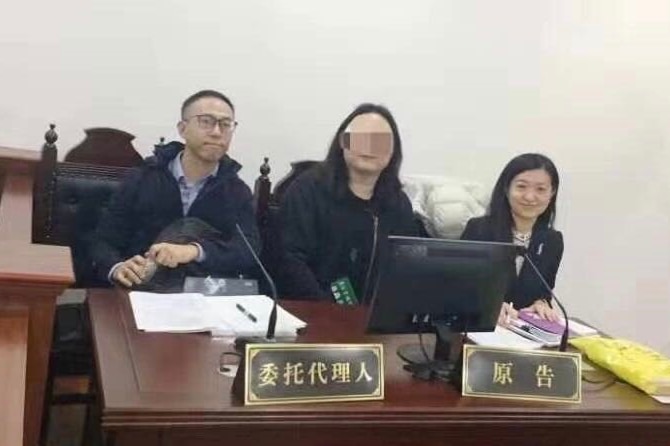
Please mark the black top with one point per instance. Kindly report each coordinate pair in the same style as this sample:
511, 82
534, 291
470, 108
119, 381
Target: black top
327, 237
545, 250
149, 200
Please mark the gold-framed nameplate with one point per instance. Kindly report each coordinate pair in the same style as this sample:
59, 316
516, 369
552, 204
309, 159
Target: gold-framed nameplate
521, 374
304, 373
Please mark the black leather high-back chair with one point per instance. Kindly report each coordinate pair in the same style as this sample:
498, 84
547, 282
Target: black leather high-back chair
268, 202
71, 195
69, 198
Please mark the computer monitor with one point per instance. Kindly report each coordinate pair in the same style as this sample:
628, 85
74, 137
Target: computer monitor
442, 286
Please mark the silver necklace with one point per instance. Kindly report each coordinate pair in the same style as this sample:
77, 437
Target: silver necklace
522, 237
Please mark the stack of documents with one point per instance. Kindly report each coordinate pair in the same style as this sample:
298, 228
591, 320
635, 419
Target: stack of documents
503, 338
534, 333
524, 336
221, 315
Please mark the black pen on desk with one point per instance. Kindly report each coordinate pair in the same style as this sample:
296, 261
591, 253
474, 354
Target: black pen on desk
244, 311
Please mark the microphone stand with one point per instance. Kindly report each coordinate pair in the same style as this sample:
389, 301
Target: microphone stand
240, 342
564, 337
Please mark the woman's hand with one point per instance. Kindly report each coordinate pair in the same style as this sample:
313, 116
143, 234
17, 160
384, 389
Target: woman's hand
542, 308
507, 312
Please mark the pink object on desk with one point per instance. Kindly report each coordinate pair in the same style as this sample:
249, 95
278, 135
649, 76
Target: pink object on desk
532, 318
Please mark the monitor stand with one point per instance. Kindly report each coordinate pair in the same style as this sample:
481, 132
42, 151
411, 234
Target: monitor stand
446, 363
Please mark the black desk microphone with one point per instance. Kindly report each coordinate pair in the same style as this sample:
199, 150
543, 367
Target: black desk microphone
272, 321
564, 337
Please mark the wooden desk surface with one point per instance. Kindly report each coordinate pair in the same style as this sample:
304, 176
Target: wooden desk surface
23, 160
14, 154
164, 389
13, 354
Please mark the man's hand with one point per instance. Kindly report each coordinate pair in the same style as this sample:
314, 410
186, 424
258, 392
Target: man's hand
131, 272
171, 255
544, 310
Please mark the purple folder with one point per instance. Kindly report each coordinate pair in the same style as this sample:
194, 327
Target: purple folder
532, 318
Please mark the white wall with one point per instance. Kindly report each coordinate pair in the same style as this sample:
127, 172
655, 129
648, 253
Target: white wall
470, 82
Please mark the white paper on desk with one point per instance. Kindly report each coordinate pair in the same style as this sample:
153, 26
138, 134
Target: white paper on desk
503, 338
661, 399
193, 312
260, 306
179, 313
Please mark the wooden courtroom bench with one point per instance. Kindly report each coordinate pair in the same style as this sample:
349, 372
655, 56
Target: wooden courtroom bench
165, 389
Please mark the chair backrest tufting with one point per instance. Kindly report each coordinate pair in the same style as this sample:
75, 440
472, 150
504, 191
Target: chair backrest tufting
71, 196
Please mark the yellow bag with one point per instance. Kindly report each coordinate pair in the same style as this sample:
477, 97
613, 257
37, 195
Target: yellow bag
639, 365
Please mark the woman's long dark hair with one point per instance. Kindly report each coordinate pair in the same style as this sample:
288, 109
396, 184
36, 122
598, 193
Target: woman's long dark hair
334, 168
499, 210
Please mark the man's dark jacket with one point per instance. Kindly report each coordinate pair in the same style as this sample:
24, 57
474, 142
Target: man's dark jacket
149, 200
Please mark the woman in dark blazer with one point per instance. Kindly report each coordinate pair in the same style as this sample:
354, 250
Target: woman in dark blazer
522, 211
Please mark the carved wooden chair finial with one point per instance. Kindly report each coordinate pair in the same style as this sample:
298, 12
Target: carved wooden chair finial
51, 136
265, 167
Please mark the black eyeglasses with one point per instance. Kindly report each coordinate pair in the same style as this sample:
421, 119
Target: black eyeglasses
209, 122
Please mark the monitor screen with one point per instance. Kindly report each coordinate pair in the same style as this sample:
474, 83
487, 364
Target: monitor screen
423, 282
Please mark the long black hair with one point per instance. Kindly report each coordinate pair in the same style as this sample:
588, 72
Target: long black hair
499, 210
334, 168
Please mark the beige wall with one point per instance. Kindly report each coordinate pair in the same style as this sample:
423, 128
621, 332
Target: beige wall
471, 83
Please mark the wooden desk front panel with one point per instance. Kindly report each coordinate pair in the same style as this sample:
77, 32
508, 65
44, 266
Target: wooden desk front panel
164, 389
13, 353
31, 276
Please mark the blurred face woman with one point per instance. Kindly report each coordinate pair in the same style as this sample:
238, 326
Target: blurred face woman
368, 145
367, 149
366, 153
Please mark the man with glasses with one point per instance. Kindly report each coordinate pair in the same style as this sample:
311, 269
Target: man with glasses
179, 210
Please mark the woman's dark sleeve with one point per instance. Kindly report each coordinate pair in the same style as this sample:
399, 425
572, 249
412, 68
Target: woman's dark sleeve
299, 242
554, 259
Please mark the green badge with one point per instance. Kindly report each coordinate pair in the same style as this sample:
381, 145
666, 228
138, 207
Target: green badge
343, 292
